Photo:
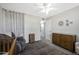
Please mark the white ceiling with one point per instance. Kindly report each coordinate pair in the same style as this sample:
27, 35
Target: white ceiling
32, 8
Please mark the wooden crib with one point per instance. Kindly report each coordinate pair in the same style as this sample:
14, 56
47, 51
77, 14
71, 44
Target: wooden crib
7, 45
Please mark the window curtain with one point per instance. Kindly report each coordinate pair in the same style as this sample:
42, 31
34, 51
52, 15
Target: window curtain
11, 21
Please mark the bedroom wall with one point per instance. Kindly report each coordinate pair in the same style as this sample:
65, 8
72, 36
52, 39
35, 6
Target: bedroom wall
31, 25
71, 15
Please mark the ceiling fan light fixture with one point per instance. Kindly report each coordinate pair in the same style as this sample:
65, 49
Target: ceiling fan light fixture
46, 11
45, 7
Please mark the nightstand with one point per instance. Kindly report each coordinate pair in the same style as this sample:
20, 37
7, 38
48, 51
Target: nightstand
31, 37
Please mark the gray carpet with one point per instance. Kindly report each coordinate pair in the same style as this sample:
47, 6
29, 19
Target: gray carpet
40, 48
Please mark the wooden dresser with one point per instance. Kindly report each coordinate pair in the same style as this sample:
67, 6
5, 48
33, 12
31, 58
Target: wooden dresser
64, 40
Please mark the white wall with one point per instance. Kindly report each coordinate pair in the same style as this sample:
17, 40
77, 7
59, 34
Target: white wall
32, 25
71, 15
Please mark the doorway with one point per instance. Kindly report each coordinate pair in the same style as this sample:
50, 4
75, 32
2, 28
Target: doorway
42, 29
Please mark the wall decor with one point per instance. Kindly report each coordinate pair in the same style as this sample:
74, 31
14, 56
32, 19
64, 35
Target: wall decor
60, 23
68, 22
71, 22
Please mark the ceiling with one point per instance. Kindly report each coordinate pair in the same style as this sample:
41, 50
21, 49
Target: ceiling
33, 9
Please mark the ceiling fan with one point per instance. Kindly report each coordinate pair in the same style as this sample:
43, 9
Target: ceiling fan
45, 7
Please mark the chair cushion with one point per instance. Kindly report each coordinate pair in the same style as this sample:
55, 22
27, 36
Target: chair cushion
21, 39
20, 44
18, 47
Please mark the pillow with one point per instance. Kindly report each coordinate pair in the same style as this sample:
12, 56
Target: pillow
21, 39
23, 44
18, 47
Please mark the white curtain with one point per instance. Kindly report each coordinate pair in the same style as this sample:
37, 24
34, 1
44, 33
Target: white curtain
11, 21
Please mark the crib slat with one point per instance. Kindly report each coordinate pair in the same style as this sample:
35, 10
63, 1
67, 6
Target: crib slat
8, 45
11, 51
0, 46
4, 45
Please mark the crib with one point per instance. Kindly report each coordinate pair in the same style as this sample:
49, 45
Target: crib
7, 45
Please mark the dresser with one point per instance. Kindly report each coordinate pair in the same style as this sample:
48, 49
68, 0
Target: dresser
31, 38
64, 40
